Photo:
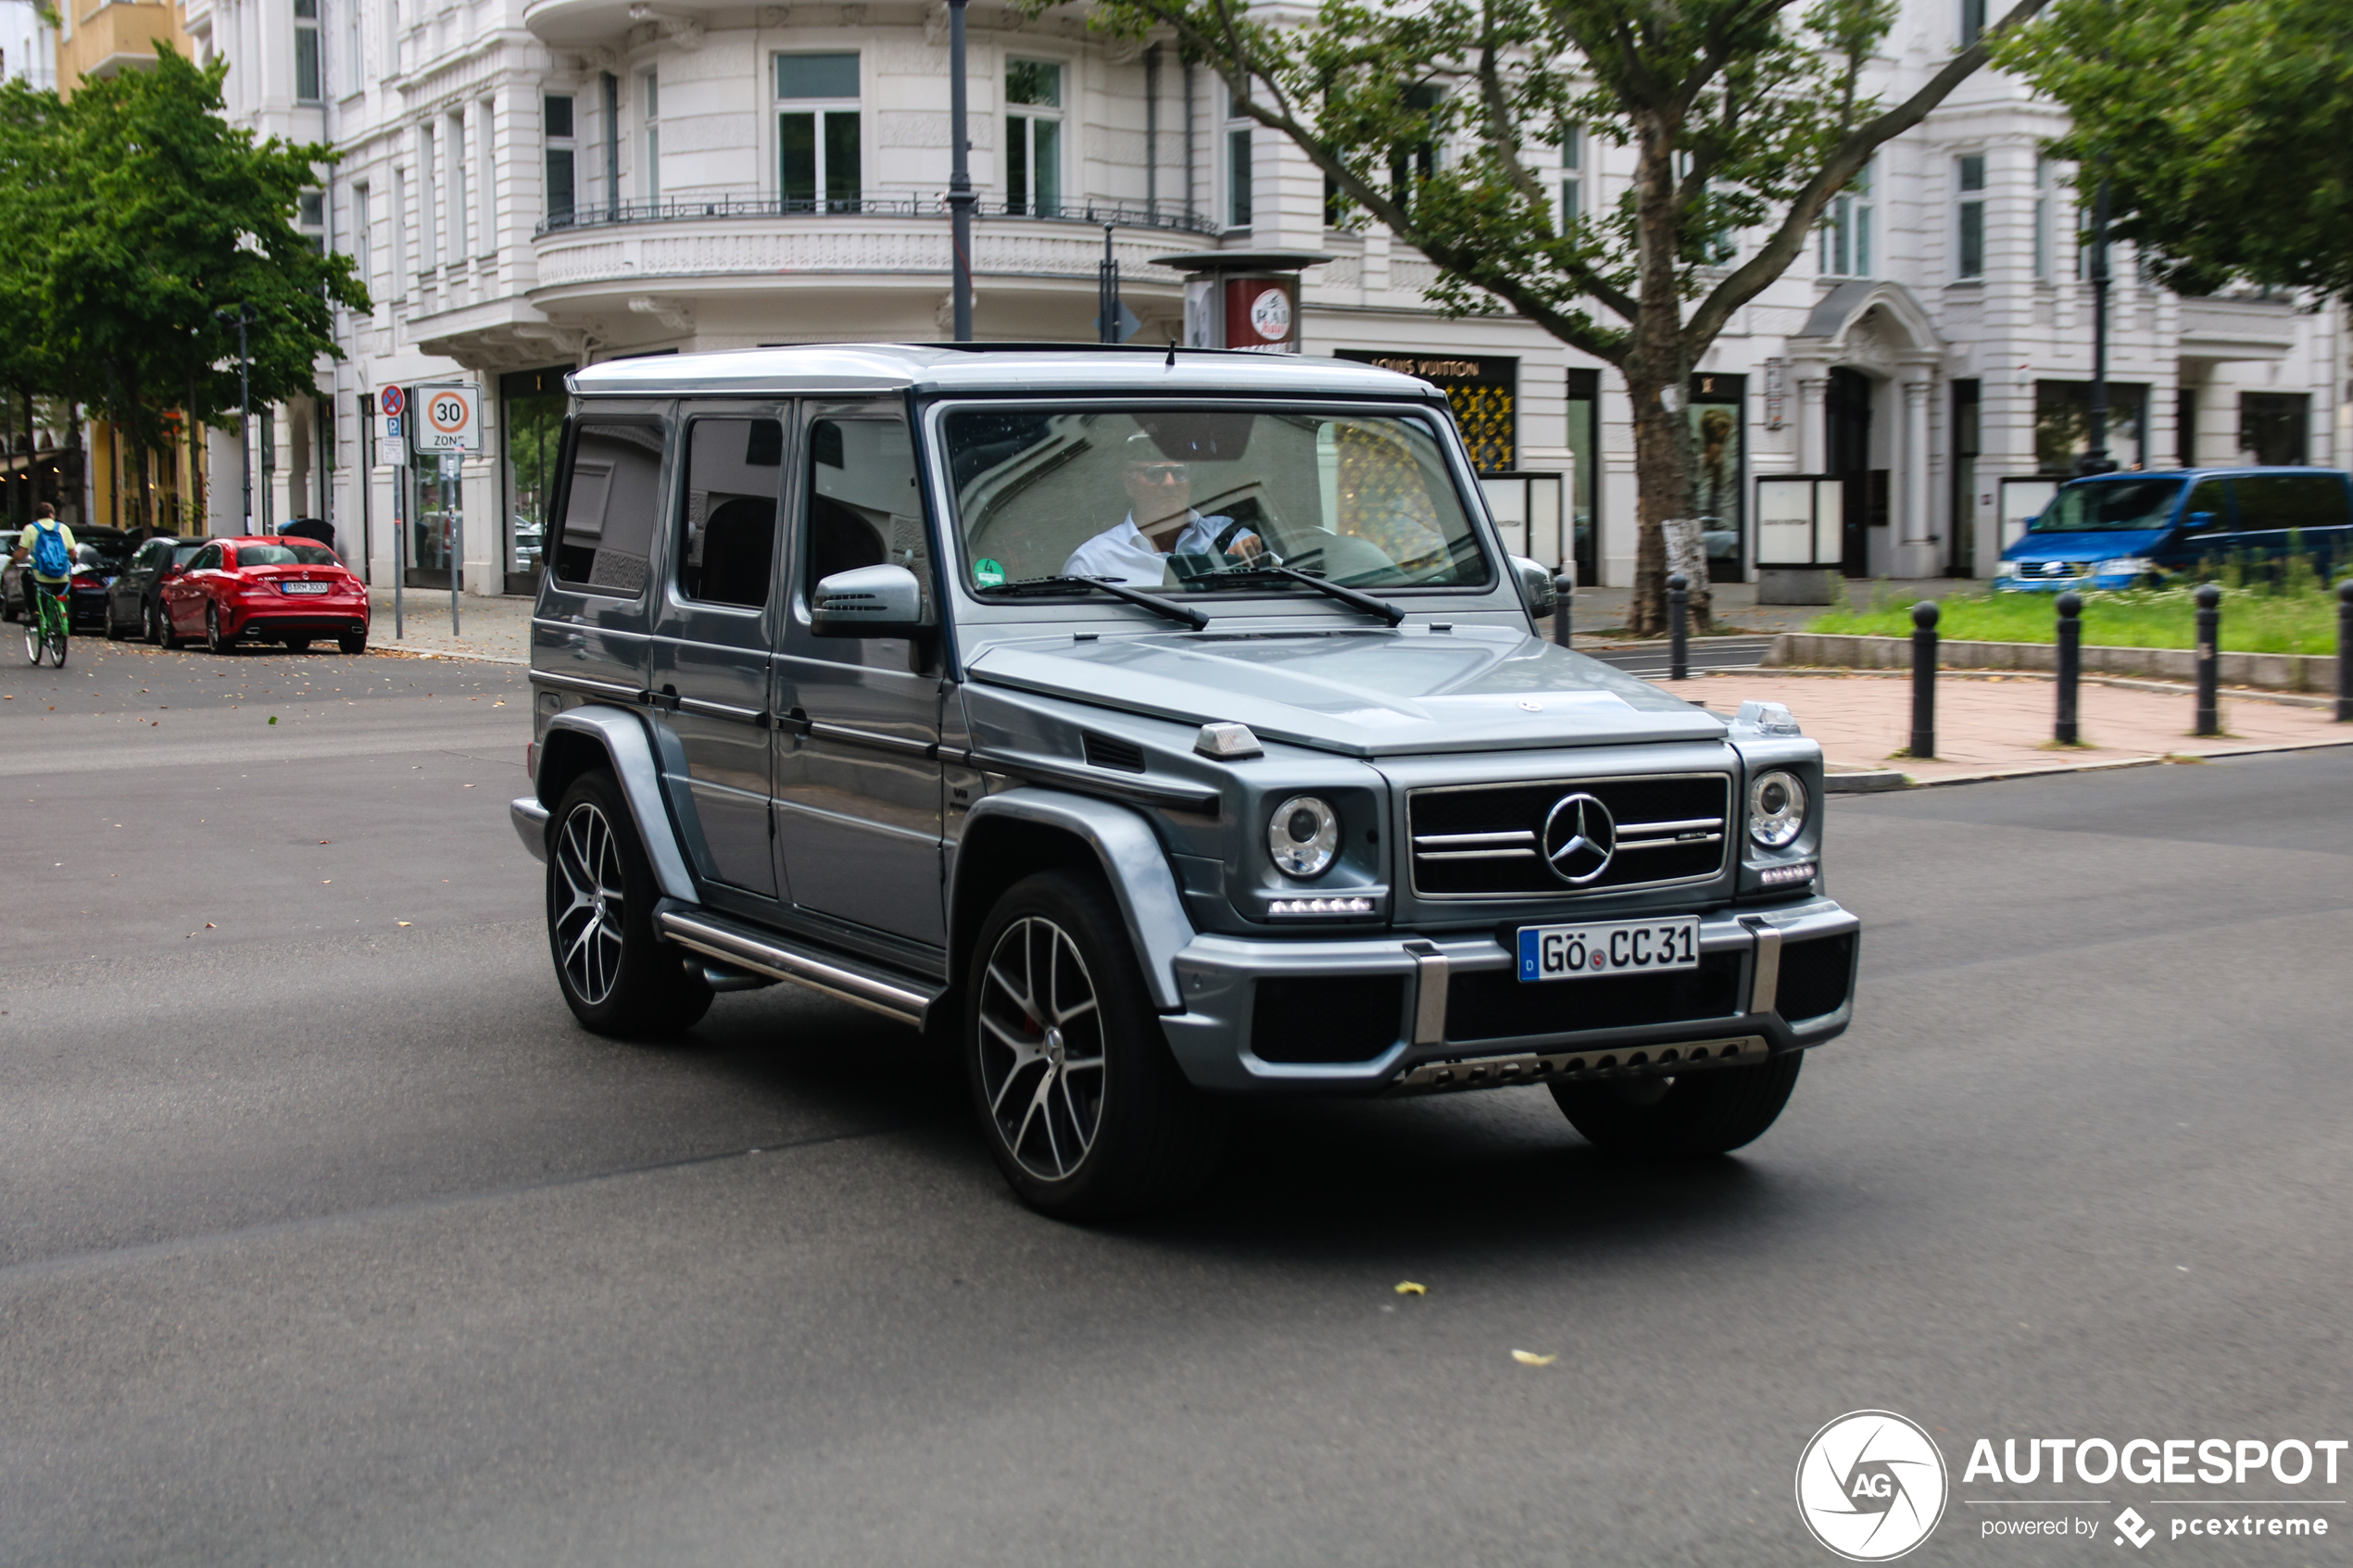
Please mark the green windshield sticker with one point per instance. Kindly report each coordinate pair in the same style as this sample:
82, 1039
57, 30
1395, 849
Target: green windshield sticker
988, 573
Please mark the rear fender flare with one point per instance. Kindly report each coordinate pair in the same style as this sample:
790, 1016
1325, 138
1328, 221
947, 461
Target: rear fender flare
620, 739
1120, 843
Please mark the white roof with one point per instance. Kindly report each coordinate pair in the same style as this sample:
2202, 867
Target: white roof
886, 367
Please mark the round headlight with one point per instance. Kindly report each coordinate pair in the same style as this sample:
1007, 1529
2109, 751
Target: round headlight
1304, 836
1776, 809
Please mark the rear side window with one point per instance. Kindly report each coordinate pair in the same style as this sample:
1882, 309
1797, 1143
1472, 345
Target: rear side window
727, 541
2291, 500
614, 494
206, 558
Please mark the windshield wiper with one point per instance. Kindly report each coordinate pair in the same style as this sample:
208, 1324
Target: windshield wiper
1153, 602
1370, 604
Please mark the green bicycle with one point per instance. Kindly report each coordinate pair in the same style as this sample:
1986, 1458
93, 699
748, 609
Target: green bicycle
45, 623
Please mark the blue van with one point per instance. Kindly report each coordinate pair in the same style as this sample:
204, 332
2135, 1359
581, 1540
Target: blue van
2116, 530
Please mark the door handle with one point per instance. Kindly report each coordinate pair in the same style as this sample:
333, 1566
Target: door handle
669, 698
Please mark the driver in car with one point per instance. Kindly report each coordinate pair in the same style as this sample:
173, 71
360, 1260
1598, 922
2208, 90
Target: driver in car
1160, 522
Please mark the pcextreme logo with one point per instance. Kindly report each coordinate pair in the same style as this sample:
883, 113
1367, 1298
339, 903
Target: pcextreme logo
1871, 1486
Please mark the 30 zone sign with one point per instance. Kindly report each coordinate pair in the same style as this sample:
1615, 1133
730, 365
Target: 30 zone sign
447, 419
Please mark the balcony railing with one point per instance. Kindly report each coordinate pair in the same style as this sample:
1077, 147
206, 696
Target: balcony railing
683, 209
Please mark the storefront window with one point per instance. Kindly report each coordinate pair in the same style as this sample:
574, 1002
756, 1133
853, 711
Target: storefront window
1720, 456
2063, 424
1585, 448
440, 512
532, 410
1484, 392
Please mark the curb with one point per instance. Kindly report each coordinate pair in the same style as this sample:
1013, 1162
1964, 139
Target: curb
1875, 781
2120, 683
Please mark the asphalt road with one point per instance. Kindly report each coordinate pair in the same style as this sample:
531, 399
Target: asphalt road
326, 1238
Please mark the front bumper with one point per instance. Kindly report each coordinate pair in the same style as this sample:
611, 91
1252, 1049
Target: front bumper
1219, 977
531, 825
2086, 583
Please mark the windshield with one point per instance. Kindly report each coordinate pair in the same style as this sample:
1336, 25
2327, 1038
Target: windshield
1172, 499
285, 554
2111, 504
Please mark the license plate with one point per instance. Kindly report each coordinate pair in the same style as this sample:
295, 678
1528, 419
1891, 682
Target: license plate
304, 587
1617, 946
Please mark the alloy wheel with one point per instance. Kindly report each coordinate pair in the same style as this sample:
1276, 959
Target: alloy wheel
1041, 1048
588, 928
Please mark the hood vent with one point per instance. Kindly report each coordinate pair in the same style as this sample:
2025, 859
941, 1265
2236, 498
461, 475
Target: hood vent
1107, 751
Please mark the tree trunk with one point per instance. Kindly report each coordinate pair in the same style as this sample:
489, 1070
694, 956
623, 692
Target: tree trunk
1662, 489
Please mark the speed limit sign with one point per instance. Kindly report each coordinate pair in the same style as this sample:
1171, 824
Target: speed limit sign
448, 418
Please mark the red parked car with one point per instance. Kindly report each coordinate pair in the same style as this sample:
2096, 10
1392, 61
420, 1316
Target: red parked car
265, 590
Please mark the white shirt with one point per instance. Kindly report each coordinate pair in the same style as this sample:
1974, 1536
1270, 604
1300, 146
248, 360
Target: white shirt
1124, 554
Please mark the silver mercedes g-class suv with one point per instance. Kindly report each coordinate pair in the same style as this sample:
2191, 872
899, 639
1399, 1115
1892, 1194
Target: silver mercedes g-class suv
1158, 729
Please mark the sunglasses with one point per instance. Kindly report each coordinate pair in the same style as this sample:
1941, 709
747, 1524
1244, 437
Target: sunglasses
1160, 473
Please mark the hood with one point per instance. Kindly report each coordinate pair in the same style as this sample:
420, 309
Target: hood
2089, 544
1363, 692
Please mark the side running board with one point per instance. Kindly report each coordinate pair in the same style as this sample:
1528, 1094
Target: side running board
763, 952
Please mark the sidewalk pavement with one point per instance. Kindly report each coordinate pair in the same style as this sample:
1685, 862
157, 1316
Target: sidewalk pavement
2000, 725
497, 630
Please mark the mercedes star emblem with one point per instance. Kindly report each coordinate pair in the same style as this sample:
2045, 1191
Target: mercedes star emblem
1579, 837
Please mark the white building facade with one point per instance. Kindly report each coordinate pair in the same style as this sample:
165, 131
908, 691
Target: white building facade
533, 185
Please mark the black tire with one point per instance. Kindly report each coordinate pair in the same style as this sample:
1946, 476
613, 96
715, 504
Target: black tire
617, 976
357, 644
213, 639
1687, 1117
114, 634
1126, 1132
297, 645
159, 629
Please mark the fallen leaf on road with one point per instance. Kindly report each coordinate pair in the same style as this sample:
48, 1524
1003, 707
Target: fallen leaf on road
1409, 1288
1530, 1358
404, 922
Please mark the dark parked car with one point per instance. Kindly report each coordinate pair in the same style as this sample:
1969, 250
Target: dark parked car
2119, 528
98, 555
135, 594
317, 530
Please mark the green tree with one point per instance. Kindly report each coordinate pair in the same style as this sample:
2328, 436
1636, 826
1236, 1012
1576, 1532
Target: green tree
1745, 116
2224, 128
150, 216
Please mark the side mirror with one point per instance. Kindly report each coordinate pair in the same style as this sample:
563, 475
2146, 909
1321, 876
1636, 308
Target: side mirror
872, 601
2201, 522
1536, 590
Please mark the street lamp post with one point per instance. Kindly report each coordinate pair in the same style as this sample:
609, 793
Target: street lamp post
240, 316
960, 179
2095, 458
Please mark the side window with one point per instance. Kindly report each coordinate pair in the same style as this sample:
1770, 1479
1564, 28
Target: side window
2283, 501
208, 560
864, 506
728, 536
153, 554
608, 514
2213, 496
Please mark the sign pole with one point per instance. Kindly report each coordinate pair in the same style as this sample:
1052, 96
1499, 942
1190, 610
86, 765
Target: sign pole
399, 547
453, 468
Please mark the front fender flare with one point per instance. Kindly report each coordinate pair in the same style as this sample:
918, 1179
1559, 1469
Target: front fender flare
622, 737
1132, 862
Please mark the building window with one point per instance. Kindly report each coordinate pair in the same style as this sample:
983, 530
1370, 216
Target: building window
460, 208
1846, 232
1968, 173
486, 160
428, 202
557, 129
307, 86
352, 42
2274, 428
650, 183
1972, 21
1238, 167
1572, 178
363, 236
2042, 237
817, 139
1034, 137
310, 216
398, 256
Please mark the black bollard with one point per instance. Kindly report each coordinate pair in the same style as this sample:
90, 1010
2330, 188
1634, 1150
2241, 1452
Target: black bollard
2345, 652
2070, 664
1924, 678
1678, 628
1563, 586
2210, 632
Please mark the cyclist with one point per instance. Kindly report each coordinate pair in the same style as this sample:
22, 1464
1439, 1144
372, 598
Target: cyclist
49, 543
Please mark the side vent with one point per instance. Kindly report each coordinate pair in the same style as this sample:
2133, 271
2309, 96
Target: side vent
1109, 751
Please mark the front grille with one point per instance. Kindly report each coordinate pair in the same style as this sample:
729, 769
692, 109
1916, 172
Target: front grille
2051, 568
1350, 1019
1815, 976
1494, 1005
1486, 841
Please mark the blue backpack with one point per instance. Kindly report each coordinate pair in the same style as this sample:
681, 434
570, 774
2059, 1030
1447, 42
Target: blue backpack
49, 558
